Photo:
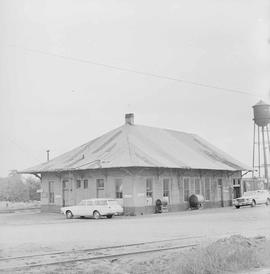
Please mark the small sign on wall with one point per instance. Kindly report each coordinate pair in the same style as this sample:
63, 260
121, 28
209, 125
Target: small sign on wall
58, 196
141, 194
127, 196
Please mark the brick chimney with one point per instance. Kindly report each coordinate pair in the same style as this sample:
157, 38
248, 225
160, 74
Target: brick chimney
129, 119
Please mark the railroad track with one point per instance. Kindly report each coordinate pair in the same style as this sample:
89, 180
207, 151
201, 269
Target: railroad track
22, 263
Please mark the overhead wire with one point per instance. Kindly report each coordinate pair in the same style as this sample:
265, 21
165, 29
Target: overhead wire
130, 70
24, 150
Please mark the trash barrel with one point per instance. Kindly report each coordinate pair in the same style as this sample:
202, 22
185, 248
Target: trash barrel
158, 208
196, 201
164, 206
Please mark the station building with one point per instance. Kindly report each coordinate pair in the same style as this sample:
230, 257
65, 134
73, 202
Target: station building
137, 165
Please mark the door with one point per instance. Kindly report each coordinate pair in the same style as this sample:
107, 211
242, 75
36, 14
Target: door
220, 188
149, 191
67, 192
100, 188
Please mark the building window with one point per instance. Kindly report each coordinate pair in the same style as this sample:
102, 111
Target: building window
186, 189
166, 190
207, 189
220, 182
149, 188
197, 186
118, 189
78, 184
51, 192
100, 188
85, 183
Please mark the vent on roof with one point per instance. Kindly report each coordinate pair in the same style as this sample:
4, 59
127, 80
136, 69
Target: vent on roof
129, 118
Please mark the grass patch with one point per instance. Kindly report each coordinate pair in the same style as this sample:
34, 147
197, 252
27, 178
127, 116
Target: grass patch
228, 255
232, 254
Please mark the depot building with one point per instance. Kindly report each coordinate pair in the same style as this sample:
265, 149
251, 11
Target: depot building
137, 165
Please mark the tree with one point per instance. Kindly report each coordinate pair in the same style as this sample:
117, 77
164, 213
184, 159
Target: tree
33, 184
17, 188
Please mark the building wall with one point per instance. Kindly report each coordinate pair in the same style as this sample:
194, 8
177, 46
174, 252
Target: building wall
134, 199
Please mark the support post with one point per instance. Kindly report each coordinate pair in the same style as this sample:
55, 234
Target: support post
253, 159
259, 151
265, 159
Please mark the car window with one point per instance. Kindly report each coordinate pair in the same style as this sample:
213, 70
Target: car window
82, 203
112, 202
90, 203
101, 202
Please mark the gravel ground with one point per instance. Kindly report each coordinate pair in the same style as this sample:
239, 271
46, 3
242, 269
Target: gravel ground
28, 233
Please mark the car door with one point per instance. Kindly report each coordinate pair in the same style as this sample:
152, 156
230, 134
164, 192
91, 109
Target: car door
90, 208
102, 207
260, 197
263, 197
80, 208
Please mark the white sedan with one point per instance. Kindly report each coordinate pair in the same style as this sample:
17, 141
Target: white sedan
253, 198
93, 208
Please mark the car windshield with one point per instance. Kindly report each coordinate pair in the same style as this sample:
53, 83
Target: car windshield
262, 191
112, 202
249, 193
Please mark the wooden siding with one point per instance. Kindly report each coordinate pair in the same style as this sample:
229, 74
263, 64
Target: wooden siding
134, 186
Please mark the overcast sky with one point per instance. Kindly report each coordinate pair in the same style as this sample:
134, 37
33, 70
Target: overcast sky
48, 102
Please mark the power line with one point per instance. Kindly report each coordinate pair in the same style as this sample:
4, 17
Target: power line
24, 150
112, 67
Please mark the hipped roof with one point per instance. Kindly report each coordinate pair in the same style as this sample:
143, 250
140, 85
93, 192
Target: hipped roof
142, 146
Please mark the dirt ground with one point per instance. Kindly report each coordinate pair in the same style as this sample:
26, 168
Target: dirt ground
28, 233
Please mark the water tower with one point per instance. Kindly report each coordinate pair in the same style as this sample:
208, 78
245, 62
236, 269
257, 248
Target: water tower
261, 143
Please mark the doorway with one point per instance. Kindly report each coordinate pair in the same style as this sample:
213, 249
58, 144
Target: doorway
67, 191
236, 192
220, 188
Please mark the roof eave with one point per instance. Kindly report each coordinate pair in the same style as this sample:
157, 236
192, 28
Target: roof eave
248, 169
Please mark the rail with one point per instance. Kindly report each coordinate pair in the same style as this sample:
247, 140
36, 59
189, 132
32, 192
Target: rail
65, 257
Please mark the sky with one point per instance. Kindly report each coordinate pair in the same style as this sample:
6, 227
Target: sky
55, 95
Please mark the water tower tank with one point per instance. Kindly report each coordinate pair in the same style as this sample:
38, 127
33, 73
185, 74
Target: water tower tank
261, 114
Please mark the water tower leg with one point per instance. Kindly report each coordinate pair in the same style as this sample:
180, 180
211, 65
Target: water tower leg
268, 140
253, 158
268, 143
259, 152
265, 159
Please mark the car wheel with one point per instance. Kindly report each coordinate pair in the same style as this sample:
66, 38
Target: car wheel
96, 215
69, 214
109, 216
267, 202
237, 206
253, 203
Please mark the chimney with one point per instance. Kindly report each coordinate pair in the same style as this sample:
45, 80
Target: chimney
129, 118
48, 155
